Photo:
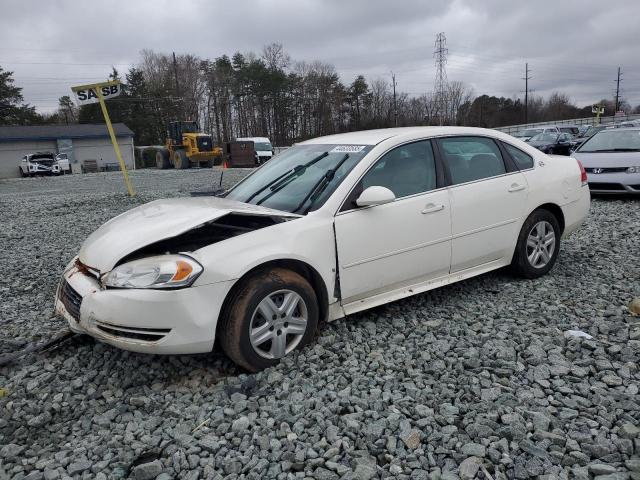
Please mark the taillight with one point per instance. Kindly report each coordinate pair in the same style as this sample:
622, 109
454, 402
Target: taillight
583, 173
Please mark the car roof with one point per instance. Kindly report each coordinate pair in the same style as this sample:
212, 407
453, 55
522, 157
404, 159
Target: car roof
373, 137
254, 139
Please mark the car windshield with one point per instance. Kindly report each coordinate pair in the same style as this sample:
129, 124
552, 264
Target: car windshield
613, 141
262, 146
301, 178
589, 132
530, 132
545, 137
42, 158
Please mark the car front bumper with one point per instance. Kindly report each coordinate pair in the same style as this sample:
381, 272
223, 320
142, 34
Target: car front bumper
140, 320
614, 183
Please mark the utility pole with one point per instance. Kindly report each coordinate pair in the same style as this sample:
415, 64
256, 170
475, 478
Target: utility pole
526, 79
395, 104
440, 54
175, 73
617, 93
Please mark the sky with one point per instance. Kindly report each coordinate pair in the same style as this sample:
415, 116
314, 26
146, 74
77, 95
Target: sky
571, 46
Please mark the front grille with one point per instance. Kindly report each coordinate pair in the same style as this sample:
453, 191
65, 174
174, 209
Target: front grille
71, 300
606, 170
133, 333
606, 186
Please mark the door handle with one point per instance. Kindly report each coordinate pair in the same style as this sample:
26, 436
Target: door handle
431, 207
516, 187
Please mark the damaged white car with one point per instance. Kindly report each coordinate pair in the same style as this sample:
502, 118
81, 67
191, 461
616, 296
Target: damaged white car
44, 163
330, 227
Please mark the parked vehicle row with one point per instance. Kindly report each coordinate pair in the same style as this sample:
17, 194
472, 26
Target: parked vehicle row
330, 227
611, 159
44, 163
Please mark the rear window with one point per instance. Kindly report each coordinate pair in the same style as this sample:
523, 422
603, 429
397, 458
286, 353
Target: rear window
523, 160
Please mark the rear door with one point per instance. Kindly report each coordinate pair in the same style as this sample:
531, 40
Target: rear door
400, 243
488, 196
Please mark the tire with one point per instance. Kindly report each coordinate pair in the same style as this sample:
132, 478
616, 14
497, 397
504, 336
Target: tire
243, 314
180, 160
22, 174
534, 256
209, 163
162, 159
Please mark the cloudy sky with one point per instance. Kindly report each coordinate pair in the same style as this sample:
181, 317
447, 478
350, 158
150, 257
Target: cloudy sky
572, 46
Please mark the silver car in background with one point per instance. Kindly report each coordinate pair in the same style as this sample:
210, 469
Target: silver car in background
612, 161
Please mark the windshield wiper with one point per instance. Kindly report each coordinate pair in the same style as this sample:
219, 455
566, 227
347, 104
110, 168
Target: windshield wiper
283, 180
613, 150
320, 185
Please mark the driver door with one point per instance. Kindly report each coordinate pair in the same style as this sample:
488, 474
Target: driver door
402, 243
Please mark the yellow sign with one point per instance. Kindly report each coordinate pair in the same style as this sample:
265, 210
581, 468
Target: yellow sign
99, 92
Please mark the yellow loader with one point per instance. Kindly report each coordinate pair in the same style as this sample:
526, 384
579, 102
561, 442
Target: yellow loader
186, 146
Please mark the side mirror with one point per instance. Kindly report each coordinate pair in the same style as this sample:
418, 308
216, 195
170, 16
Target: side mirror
375, 195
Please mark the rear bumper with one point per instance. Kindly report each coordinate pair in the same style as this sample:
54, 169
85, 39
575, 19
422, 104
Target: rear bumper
614, 183
147, 321
576, 212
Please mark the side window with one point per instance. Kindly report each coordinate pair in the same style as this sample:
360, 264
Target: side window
523, 160
405, 170
472, 158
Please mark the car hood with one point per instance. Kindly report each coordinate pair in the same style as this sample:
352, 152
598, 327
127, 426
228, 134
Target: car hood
608, 159
155, 221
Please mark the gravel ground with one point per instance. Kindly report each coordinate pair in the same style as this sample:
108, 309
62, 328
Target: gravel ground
472, 380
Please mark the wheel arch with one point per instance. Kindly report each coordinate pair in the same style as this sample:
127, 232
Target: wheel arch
555, 210
300, 267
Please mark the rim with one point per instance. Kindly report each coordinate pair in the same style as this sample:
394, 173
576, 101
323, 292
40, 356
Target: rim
278, 324
541, 243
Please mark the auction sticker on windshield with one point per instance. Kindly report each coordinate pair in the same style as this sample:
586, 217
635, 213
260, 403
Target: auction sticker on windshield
348, 149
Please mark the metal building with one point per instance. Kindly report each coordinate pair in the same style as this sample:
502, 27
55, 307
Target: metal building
84, 144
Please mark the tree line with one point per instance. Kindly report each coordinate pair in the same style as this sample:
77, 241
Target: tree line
269, 94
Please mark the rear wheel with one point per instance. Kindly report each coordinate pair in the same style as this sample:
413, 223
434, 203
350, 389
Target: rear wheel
538, 245
271, 314
162, 159
22, 174
180, 160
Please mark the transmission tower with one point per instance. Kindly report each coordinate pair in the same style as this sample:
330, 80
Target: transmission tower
440, 54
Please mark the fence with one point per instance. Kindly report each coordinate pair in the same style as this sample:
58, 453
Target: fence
574, 121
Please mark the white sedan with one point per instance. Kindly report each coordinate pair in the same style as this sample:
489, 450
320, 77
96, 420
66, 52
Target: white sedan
330, 227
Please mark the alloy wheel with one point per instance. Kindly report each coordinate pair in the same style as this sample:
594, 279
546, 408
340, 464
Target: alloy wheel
278, 324
541, 243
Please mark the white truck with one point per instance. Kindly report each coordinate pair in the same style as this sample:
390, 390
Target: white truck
262, 146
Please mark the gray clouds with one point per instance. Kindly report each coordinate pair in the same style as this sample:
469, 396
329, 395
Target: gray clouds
571, 46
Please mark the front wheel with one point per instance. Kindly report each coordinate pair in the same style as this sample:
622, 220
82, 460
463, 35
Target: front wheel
180, 160
271, 314
22, 174
538, 245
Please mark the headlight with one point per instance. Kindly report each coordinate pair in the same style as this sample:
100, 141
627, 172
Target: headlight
165, 271
633, 169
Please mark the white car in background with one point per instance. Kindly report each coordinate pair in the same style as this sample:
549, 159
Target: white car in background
41, 163
262, 146
330, 227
